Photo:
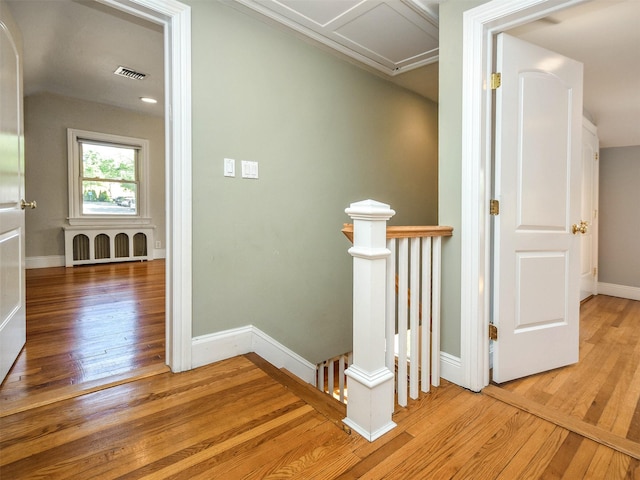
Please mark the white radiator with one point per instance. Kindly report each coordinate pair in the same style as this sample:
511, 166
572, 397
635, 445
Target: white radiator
90, 244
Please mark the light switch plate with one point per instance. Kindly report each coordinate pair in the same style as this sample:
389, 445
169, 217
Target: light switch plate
249, 169
229, 167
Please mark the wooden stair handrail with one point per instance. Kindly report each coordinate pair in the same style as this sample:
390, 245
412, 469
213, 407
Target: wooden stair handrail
406, 231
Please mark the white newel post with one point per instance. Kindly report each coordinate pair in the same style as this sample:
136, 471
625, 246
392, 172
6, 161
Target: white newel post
371, 383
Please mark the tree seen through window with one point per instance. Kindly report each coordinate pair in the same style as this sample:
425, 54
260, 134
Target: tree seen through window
109, 179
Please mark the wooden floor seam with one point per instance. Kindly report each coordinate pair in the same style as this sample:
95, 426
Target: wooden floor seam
37, 400
573, 424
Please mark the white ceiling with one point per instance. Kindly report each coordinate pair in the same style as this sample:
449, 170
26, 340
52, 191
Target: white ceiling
605, 36
73, 46
392, 36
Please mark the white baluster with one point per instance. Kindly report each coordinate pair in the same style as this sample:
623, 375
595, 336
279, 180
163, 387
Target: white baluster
331, 382
403, 308
435, 309
321, 377
341, 362
426, 314
414, 288
390, 321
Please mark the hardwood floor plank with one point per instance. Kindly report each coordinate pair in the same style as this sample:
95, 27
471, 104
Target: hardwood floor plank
523, 459
563, 456
88, 323
603, 389
620, 408
229, 443
605, 392
261, 450
232, 420
506, 442
441, 444
196, 439
242, 418
132, 403
20, 404
320, 454
544, 455
599, 465
377, 456
633, 433
580, 461
331, 408
573, 424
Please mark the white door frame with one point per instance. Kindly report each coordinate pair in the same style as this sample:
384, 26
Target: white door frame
479, 26
176, 19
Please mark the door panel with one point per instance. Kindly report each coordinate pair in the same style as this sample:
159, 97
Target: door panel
542, 202
12, 281
537, 180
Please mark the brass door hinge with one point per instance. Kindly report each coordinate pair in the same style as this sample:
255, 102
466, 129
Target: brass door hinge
597, 156
493, 332
595, 271
494, 207
496, 81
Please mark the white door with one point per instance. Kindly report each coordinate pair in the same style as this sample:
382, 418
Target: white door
537, 182
12, 282
589, 212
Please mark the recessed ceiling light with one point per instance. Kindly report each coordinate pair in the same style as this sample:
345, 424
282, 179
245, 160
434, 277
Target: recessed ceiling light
148, 100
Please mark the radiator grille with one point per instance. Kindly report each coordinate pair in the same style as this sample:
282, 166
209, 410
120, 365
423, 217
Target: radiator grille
81, 247
121, 245
139, 244
101, 246
86, 245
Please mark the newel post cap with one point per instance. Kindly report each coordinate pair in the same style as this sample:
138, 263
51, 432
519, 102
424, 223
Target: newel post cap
370, 210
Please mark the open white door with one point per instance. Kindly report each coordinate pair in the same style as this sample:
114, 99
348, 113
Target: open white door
12, 281
537, 182
589, 211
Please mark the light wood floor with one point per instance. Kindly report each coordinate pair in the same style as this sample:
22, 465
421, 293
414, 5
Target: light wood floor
603, 389
242, 418
232, 420
88, 327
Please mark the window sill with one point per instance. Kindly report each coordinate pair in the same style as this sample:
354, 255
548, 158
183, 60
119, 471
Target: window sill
104, 220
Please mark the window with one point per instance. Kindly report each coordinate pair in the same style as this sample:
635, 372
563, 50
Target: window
107, 178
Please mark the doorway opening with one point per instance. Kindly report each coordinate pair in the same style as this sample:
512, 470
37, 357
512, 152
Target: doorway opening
480, 26
174, 18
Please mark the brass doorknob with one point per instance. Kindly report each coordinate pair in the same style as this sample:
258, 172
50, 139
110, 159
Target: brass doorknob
31, 205
580, 228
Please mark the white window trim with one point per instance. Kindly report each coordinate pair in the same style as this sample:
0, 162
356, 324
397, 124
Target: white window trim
76, 217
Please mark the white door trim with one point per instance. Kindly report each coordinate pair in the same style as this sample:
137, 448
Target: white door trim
479, 26
176, 19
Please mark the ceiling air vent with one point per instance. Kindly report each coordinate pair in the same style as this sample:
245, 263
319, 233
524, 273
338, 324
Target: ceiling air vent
127, 72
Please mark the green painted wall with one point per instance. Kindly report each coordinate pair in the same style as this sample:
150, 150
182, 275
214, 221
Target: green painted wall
450, 170
325, 133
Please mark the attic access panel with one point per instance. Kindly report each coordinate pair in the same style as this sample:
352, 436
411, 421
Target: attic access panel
392, 36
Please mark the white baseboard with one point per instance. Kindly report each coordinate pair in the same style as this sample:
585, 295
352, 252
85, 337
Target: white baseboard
622, 291
45, 261
451, 368
220, 346
58, 260
230, 343
281, 357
